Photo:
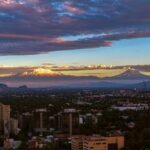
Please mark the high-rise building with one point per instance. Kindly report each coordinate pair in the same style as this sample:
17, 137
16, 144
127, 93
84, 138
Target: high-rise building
70, 121
13, 126
58, 121
40, 121
26, 122
97, 143
4, 119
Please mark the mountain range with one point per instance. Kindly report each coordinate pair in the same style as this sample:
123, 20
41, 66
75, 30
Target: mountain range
47, 78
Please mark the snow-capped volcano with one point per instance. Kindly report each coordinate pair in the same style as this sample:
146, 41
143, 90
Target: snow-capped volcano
131, 74
40, 72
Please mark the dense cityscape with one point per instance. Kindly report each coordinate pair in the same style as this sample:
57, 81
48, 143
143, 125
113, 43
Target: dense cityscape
75, 119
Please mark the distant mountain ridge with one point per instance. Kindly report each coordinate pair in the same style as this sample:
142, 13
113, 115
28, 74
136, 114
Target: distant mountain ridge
47, 73
47, 78
101, 85
3, 86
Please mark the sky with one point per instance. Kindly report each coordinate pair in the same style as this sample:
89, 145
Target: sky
124, 52
48, 34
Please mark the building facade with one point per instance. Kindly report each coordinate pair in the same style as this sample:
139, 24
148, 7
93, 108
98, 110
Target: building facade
70, 121
4, 119
97, 143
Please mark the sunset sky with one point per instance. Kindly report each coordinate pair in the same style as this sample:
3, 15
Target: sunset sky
80, 35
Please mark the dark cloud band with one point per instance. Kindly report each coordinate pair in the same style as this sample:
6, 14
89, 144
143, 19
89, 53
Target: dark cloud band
34, 26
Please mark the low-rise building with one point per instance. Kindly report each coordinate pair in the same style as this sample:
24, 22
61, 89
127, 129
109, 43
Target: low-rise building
11, 144
77, 143
97, 142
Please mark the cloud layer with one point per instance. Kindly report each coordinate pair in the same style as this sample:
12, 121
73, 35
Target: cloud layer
52, 69
40, 26
49, 75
